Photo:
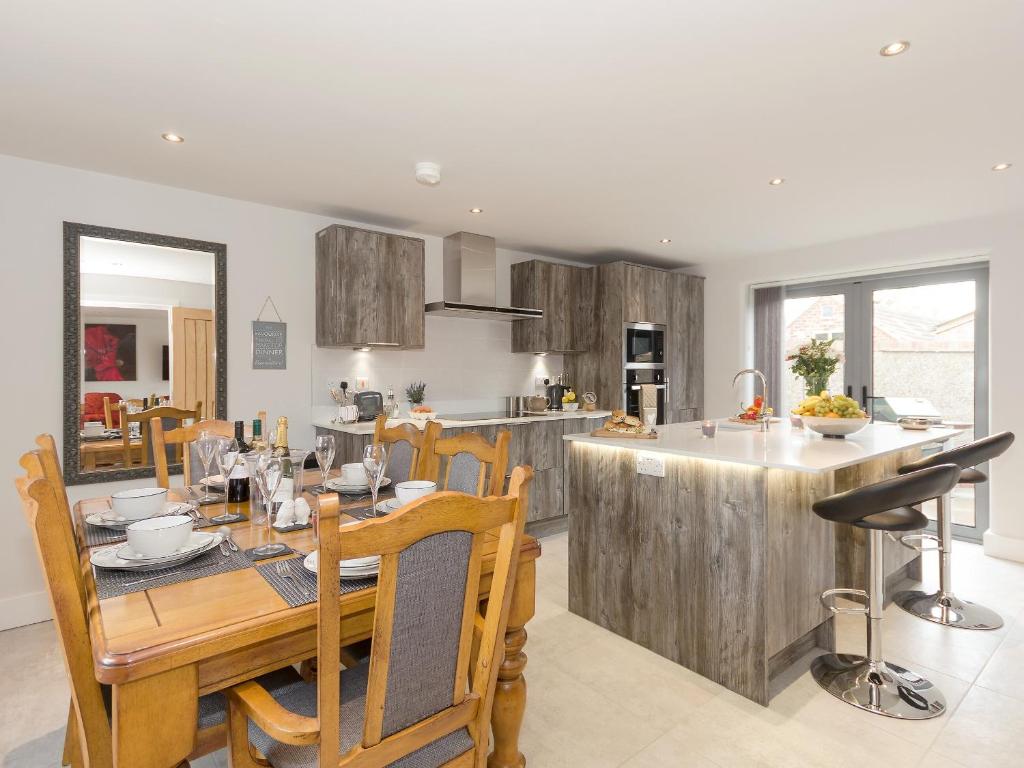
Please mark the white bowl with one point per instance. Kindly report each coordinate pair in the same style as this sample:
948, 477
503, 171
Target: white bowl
421, 415
570, 406
411, 490
138, 503
834, 427
353, 474
159, 536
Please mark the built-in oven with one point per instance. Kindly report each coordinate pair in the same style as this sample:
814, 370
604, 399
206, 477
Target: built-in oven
635, 379
643, 345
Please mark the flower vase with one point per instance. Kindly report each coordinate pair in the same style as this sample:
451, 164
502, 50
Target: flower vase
816, 386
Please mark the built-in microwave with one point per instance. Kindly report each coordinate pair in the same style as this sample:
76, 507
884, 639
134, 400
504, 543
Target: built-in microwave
635, 378
643, 345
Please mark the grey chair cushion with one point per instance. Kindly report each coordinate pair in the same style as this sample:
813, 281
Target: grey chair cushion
301, 700
400, 462
464, 472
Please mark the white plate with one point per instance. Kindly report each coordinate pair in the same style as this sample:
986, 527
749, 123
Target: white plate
359, 568
107, 557
336, 485
214, 481
194, 543
107, 520
389, 506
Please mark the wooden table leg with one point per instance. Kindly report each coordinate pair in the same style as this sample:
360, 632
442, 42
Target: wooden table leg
162, 708
510, 694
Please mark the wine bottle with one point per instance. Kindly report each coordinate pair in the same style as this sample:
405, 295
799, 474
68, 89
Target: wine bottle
243, 447
286, 490
238, 480
258, 443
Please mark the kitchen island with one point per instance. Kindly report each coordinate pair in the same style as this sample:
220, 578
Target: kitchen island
719, 564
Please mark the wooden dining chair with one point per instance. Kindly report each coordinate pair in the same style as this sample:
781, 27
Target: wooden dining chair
184, 437
469, 463
88, 739
408, 446
425, 697
144, 419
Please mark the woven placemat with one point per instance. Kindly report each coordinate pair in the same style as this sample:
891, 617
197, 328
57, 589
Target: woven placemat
96, 535
111, 583
300, 589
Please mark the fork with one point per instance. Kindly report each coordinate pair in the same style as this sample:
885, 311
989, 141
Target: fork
284, 570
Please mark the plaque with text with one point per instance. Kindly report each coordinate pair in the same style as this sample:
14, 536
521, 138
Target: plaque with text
269, 345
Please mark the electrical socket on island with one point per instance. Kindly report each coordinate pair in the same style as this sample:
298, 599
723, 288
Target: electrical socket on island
650, 464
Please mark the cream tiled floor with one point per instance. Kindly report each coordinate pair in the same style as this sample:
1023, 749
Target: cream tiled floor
598, 700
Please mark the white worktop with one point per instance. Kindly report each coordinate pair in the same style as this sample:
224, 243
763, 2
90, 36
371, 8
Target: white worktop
367, 427
782, 447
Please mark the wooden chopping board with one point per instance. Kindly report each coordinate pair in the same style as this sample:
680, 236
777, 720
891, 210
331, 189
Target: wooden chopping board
624, 435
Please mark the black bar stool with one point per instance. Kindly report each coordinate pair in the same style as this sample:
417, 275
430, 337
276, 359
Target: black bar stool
869, 682
943, 607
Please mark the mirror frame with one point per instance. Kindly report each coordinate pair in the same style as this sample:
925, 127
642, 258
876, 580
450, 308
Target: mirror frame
72, 339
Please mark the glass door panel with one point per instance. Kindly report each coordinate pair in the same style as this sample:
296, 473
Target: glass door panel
923, 364
806, 318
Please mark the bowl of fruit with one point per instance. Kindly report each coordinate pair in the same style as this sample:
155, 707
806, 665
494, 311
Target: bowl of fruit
421, 412
833, 416
569, 401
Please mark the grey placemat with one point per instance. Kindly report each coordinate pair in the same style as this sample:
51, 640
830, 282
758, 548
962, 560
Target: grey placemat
116, 583
300, 589
96, 536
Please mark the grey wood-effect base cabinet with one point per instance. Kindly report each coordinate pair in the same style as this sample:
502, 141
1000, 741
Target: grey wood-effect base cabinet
538, 444
369, 289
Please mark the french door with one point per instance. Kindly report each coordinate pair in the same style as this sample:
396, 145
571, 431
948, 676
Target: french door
912, 344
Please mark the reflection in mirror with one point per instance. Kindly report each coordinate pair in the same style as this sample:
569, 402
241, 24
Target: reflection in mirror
147, 348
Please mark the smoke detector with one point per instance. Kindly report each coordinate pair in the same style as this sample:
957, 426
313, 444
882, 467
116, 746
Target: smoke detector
428, 173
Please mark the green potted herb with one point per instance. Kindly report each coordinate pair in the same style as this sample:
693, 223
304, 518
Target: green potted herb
815, 363
415, 393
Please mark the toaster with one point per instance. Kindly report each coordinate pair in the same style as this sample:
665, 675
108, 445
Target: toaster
370, 405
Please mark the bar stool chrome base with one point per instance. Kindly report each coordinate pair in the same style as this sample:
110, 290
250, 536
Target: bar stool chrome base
948, 610
878, 687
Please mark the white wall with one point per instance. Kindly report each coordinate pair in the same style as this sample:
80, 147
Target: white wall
151, 334
270, 250
1000, 239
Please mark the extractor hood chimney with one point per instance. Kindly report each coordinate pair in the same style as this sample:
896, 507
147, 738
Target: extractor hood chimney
469, 281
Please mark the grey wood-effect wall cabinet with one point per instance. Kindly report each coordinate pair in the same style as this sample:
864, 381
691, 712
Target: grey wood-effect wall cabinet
562, 292
369, 289
645, 294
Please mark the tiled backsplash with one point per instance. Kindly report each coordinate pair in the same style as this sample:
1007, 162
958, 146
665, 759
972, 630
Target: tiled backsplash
466, 365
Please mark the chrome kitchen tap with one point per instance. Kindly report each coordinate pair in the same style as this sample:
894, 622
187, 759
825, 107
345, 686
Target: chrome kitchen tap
764, 416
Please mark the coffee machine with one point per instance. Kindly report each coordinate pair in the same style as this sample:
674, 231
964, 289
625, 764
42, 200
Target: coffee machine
555, 391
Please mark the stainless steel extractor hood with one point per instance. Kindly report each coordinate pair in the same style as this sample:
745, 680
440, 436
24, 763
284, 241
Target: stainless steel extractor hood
469, 281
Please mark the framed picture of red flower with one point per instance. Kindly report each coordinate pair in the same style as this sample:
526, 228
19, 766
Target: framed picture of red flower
109, 352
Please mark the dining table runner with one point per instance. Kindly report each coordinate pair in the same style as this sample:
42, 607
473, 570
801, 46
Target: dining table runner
299, 587
112, 583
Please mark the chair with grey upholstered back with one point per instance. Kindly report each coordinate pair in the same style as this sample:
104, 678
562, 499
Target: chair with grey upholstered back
469, 463
424, 699
407, 447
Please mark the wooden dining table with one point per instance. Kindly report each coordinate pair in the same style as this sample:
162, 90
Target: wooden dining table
103, 453
161, 648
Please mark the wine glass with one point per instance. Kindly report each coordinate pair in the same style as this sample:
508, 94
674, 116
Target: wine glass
375, 461
207, 447
325, 448
226, 454
269, 471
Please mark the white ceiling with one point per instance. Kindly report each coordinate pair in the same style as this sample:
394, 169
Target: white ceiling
584, 128
115, 257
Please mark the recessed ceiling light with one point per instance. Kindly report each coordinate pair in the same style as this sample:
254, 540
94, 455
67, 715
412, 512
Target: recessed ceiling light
776, 182
172, 137
665, 240
1002, 166
476, 210
895, 48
